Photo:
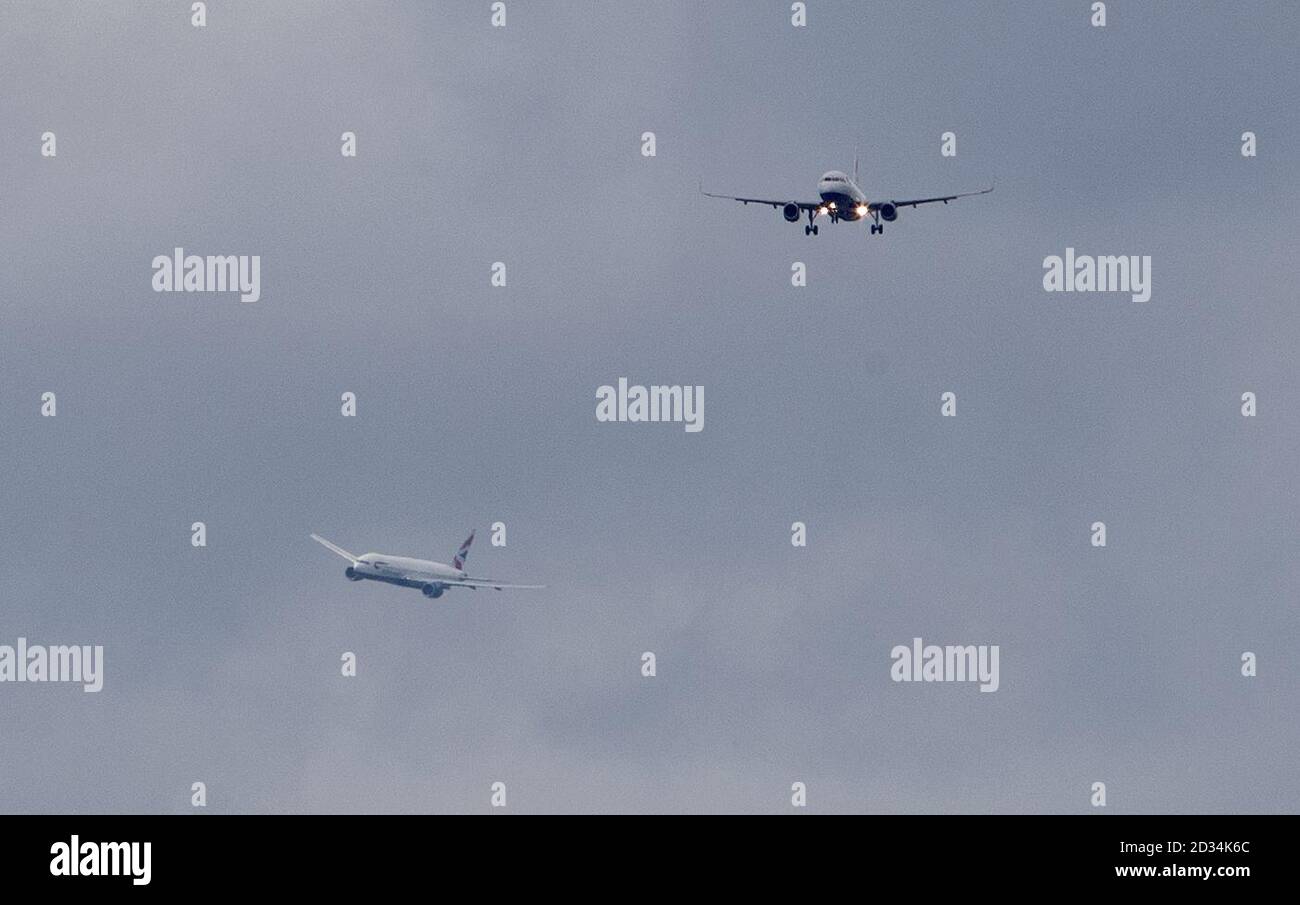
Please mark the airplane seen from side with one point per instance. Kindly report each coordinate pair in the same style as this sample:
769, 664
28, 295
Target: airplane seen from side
432, 578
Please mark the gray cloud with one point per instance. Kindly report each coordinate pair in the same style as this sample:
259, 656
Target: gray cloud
476, 404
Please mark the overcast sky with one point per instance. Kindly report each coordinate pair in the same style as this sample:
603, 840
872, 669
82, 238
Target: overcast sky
476, 404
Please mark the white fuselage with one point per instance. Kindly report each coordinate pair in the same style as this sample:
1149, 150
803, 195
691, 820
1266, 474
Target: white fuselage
841, 197
403, 570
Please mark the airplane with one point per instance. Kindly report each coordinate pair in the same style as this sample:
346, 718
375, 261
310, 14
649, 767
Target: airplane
432, 578
841, 199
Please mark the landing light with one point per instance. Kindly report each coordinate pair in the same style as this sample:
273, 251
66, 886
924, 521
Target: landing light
821, 211
832, 205
863, 210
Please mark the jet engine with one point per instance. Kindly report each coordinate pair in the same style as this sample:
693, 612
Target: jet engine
351, 573
433, 590
888, 213
791, 212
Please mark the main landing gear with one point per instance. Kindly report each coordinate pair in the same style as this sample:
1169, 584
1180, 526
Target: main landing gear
811, 228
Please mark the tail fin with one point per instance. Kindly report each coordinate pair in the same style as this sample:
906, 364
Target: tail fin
463, 553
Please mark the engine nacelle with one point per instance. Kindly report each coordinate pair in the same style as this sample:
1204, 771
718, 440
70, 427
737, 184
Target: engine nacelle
888, 213
351, 573
791, 212
433, 590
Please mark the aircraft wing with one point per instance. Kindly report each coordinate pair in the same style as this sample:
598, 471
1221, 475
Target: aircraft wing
483, 583
944, 198
803, 205
335, 549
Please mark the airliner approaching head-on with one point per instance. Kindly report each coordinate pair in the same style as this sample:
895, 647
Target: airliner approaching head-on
430, 577
841, 199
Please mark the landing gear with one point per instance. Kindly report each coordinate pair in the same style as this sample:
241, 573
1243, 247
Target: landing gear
810, 230
877, 228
